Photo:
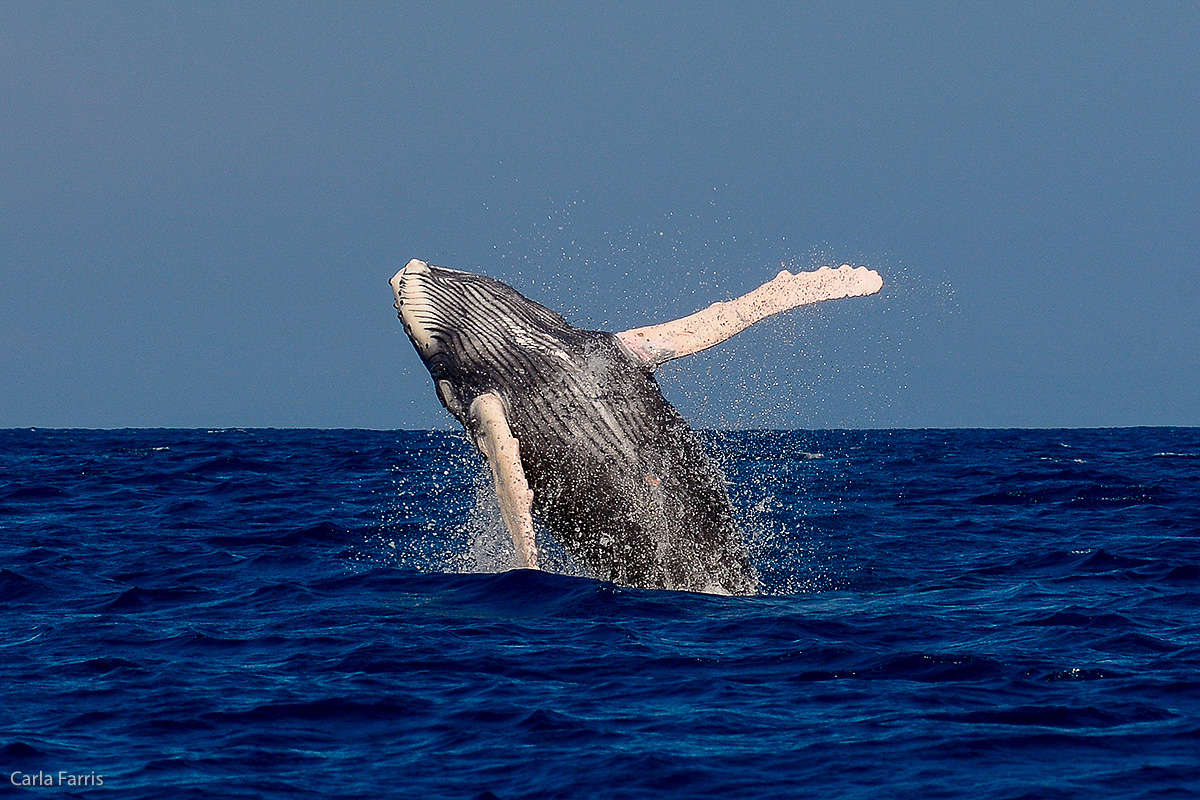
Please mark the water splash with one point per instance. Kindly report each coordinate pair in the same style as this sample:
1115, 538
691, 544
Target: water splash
835, 365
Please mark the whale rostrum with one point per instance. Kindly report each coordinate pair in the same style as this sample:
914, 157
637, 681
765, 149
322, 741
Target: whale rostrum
576, 431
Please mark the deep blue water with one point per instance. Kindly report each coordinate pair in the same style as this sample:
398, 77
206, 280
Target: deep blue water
273, 613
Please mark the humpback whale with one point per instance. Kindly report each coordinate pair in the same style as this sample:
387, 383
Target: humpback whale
576, 431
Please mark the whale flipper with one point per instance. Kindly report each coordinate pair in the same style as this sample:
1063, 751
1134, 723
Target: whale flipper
657, 344
493, 437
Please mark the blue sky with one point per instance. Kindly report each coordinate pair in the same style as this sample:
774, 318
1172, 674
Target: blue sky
202, 202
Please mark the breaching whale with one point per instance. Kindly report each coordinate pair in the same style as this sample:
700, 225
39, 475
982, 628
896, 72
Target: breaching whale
576, 431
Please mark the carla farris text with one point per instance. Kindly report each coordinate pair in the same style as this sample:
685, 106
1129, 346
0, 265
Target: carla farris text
61, 778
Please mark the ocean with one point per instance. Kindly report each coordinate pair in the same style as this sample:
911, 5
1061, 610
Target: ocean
330, 613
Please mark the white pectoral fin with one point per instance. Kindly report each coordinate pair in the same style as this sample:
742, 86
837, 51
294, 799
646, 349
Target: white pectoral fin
656, 344
501, 449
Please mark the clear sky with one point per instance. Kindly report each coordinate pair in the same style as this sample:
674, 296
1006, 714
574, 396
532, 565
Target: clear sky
201, 203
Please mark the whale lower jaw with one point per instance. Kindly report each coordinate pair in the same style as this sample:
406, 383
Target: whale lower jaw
414, 305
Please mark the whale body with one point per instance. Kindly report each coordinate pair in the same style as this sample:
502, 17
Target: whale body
577, 431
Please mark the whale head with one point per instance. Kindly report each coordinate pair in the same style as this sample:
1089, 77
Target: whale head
474, 333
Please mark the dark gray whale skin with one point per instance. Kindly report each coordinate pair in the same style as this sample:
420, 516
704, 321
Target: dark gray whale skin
618, 477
